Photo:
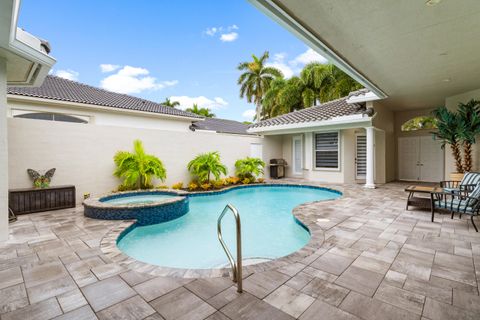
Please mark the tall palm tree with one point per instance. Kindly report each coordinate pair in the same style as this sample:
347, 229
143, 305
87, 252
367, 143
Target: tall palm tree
205, 112
255, 80
169, 103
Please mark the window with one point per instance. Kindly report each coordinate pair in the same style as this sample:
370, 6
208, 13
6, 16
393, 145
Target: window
420, 123
326, 150
51, 117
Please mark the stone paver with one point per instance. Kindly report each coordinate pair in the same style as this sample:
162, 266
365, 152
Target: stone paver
369, 258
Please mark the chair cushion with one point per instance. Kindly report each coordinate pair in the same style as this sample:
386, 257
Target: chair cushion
455, 205
470, 178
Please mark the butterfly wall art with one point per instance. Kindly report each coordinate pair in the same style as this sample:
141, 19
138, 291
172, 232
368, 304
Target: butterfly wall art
39, 180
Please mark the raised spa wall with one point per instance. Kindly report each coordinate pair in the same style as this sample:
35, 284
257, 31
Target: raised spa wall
145, 214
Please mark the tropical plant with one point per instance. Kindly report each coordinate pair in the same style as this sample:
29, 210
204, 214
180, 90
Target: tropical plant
255, 80
218, 184
260, 180
206, 164
162, 187
317, 83
192, 186
169, 103
137, 169
205, 112
177, 186
468, 129
448, 131
233, 180
249, 168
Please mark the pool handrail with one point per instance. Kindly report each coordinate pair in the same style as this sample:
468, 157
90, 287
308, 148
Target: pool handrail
236, 267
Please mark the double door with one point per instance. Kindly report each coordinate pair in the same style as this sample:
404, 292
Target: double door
420, 158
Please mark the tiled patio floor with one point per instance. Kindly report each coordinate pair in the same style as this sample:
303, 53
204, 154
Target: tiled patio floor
377, 261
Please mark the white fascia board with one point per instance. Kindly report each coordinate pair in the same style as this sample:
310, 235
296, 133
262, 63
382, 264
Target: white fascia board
369, 96
284, 19
86, 106
357, 120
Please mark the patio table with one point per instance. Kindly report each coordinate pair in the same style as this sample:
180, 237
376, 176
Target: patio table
423, 202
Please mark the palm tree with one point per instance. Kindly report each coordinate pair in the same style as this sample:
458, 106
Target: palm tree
138, 168
255, 80
469, 128
206, 164
282, 97
448, 131
169, 103
205, 112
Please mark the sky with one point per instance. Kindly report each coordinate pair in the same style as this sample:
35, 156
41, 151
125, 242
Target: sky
187, 51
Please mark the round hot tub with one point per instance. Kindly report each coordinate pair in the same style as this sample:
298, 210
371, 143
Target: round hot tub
147, 207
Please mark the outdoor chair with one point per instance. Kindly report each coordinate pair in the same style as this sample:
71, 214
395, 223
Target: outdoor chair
469, 182
460, 202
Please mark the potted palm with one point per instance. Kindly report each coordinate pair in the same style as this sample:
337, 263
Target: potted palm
137, 169
448, 131
469, 129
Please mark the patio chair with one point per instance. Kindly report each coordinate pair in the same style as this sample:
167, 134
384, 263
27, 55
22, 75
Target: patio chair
468, 183
461, 202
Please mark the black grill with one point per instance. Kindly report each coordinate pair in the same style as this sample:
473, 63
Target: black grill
277, 168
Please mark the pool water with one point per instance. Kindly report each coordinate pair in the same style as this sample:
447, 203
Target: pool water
138, 199
269, 229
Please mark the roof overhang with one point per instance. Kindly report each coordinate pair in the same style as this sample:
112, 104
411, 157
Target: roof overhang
27, 58
89, 107
338, 123
277, 13
416, 53
363, 97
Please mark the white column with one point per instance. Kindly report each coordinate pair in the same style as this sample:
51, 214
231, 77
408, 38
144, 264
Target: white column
370, 182
3, 152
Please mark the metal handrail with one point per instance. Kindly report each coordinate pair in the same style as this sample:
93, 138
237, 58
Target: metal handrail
236, 267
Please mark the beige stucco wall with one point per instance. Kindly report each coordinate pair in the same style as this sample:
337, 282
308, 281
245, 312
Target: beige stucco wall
385, 156
83, 154
106, 116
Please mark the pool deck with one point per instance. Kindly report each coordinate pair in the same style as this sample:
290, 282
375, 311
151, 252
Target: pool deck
376, 261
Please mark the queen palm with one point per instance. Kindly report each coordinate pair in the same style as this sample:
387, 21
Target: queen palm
206, 164
169, 103
137, 169
205, 112
255, 80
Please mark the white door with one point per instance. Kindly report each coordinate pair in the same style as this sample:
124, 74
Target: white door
431, 159
256, 150
420, 159
361, 157
297, 155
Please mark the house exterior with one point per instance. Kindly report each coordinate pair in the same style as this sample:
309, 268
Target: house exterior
77, 129
24, 61
412, 55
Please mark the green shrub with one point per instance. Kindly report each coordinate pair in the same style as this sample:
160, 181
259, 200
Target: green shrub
249, 168
206, 164
137, 169
162, 187
206, 186
233, 180
192, 186
218, 184
246, 181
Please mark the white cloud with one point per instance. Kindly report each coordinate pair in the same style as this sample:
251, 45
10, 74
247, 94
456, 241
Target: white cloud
249, 114
133, 80
67, 74
226, 34
109, 67
229, 37
201, 101
308, 56
279, 63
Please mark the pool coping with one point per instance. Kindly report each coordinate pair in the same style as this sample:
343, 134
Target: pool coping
108, 244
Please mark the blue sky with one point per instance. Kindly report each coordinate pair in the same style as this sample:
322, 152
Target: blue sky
187, 50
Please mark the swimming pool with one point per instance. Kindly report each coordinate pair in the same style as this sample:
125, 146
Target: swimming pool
269, 229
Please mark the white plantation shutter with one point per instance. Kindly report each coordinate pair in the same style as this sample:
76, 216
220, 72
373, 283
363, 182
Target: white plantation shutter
326, 150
